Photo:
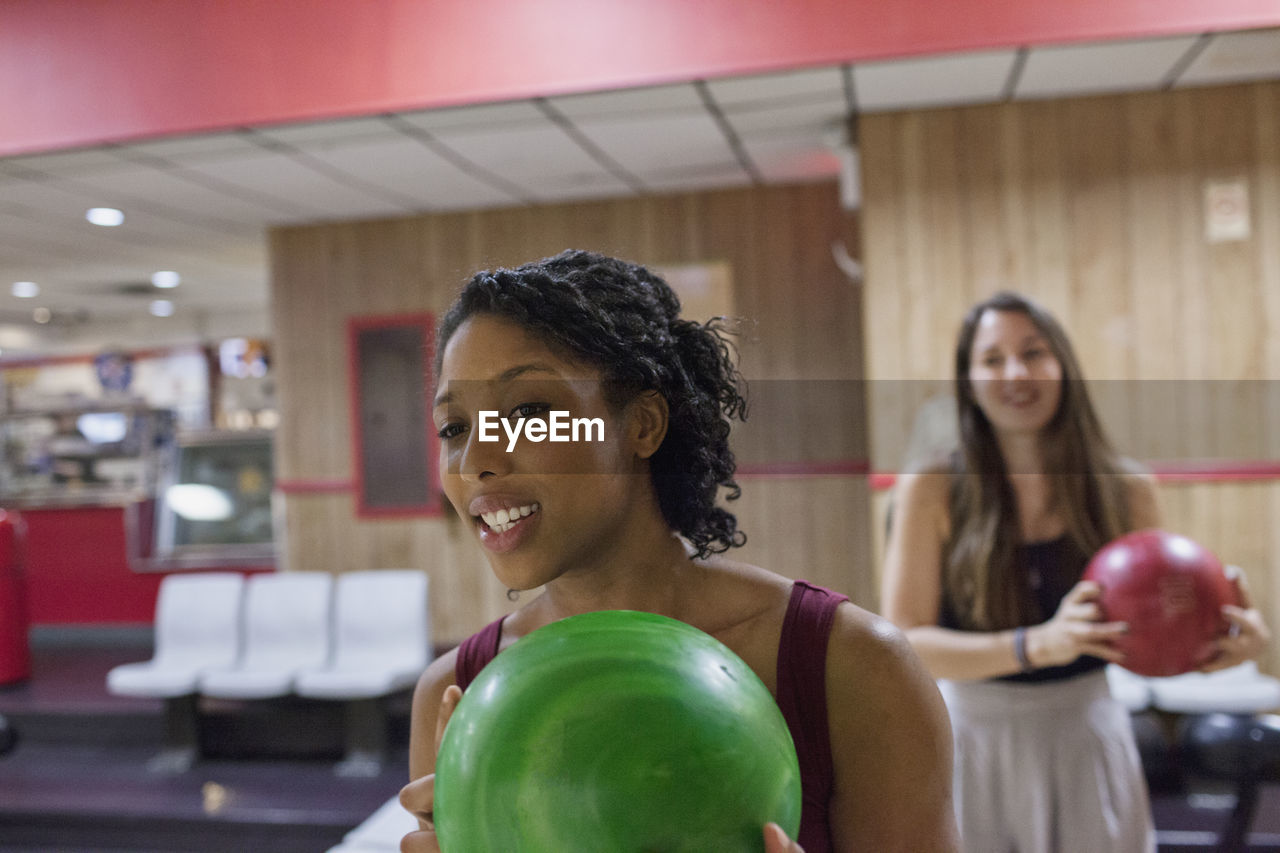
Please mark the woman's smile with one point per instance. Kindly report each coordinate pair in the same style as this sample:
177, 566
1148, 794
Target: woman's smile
503, 522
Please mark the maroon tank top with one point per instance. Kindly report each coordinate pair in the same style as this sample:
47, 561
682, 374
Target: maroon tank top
802, 696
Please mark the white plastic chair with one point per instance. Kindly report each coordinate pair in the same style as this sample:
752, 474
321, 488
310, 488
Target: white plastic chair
287, 630
197, 628
382, 643
380, 832
1241, 689
382, 637
1131, 690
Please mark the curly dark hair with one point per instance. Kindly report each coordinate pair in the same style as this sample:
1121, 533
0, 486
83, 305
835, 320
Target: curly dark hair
623, 320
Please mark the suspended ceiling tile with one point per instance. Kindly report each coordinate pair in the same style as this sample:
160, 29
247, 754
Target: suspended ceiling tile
63, 163
327, 133
782, 158
320, 195
933, 82
405, 167
36, 263
66, 198
86, 268
152, 223
478, 116
1236, 58
204, 146
696, 177
1096, 68
811, 114
197, 200
809, 84
47, 201
584, 187
528, 155
28, 250
21, 261
679, 99
62, 239
643, 144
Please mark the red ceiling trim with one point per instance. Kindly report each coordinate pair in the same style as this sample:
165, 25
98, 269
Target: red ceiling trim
85, 72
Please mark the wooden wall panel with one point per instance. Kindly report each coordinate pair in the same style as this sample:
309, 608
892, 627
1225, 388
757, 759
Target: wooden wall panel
805, 324
825, 540
1095, 206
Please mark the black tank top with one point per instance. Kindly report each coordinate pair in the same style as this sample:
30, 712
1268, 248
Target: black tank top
1052, 568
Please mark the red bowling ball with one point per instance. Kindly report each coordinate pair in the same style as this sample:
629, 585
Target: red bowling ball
1170, 590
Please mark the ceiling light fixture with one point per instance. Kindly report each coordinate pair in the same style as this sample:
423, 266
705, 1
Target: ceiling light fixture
107, 217
842, 138
161, 308
166, 279
42, 315
25, 289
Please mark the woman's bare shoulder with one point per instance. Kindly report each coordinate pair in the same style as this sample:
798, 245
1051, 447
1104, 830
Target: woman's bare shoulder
924, 498
723, 574
890, 739
1141, 494
933, 479
870, 649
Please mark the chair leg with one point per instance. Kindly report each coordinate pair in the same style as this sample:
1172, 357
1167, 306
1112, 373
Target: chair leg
181, 736
1235, 835
365, 736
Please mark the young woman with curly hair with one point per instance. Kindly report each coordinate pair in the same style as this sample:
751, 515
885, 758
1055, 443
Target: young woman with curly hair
631, 522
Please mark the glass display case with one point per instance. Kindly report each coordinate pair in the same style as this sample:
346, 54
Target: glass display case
86, 455
213, 504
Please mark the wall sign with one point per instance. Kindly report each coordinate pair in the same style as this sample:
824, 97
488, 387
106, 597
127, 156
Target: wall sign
1226, 210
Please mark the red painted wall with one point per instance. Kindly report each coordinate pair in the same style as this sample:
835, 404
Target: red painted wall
76, 569
77, 572
84, 72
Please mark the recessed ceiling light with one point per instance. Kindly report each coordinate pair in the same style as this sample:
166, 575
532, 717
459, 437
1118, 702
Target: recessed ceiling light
25, 289
166, 279
42, 315
161, 308
108, 217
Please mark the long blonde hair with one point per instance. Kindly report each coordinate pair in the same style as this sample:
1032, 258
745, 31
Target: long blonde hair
1087, 482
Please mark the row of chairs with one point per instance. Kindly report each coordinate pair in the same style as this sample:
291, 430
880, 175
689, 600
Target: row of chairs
1241, 689
1216, 725
357, 638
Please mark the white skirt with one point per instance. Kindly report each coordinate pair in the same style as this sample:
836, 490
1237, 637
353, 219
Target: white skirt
1047, 768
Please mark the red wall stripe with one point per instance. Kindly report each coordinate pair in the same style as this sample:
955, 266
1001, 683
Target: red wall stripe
824, 468
85, 72
314, 487
1214, 471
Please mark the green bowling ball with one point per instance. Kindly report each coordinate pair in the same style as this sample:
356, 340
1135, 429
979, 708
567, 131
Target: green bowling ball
615, 731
